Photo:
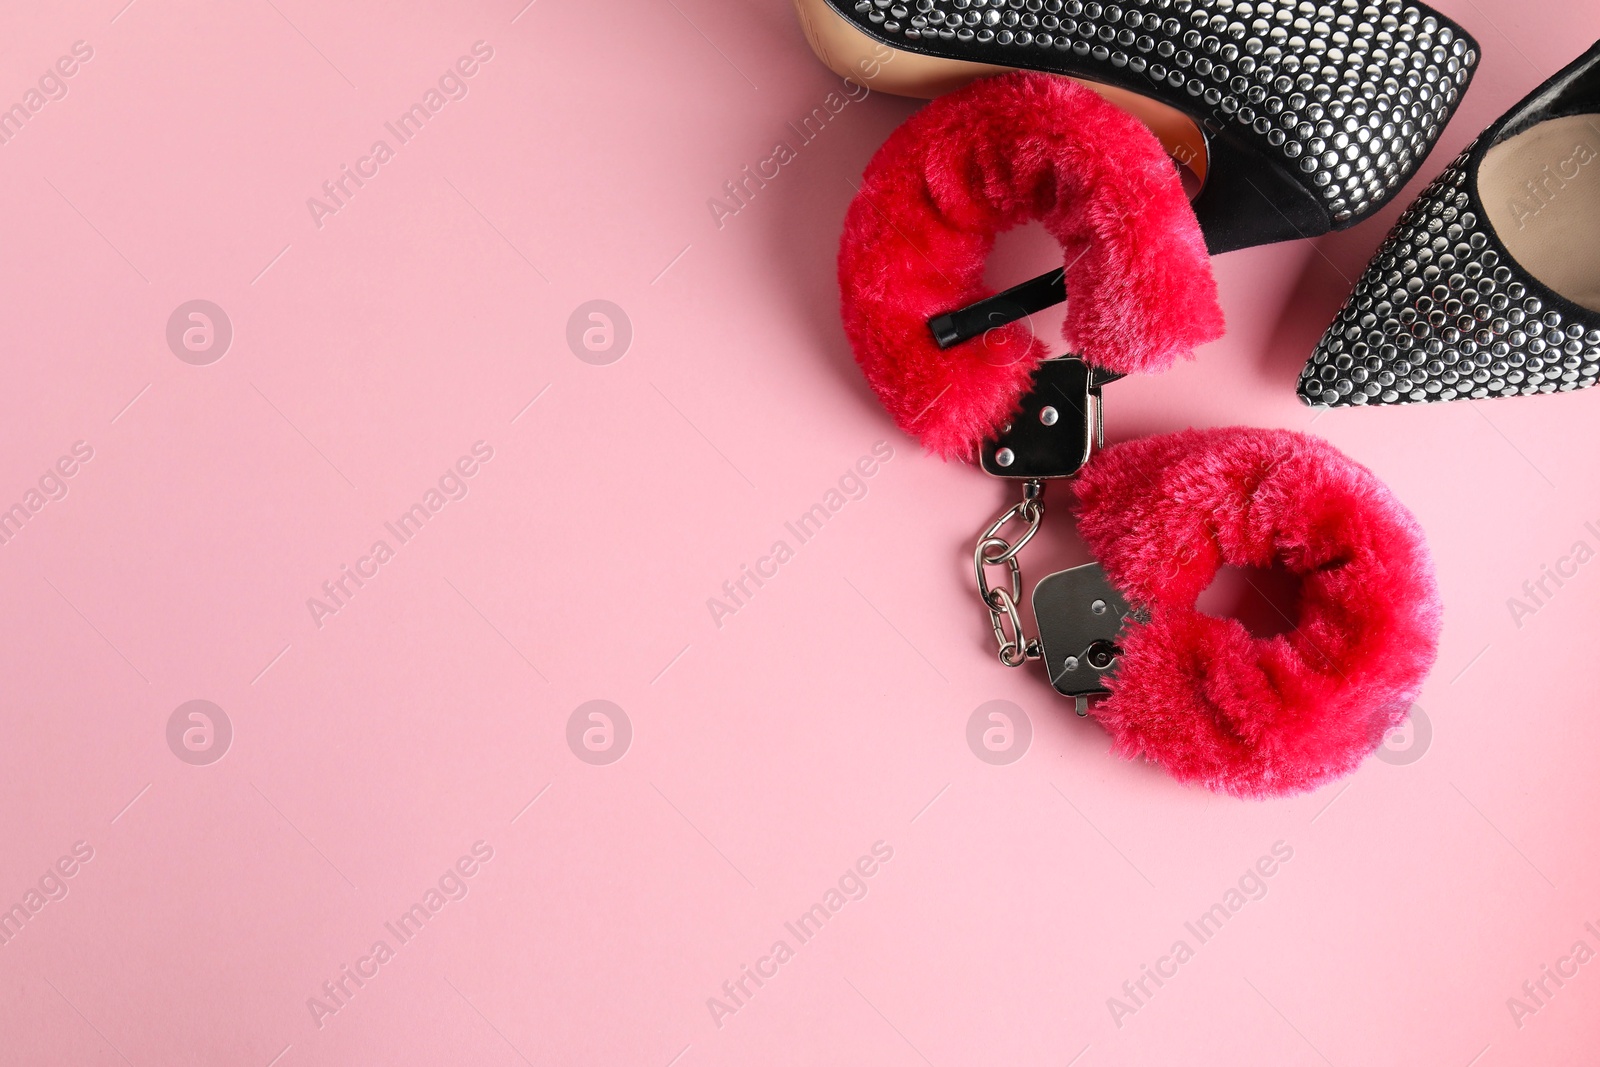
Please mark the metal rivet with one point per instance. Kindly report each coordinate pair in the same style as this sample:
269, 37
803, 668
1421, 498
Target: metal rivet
1005, 457
1049, 416
1098, 607
1070, 663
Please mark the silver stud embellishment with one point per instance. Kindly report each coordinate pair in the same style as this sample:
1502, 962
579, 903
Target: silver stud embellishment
1437, 316
1384, 73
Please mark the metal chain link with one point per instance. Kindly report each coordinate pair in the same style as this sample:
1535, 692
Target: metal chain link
1001, 601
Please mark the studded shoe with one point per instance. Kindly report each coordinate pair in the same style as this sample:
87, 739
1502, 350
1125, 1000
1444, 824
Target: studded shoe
1307, 117
1489, 285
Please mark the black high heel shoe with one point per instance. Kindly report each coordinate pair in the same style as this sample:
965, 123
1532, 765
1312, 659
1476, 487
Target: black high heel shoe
1489, 285
1309, 117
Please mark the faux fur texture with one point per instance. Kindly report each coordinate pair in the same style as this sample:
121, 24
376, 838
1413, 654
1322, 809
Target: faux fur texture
1200, 695
983, 159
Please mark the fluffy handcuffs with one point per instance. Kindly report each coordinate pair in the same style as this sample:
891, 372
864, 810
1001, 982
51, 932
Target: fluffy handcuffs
1200, 695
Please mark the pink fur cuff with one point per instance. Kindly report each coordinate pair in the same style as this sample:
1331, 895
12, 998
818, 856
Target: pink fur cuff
1202, 696
983, 159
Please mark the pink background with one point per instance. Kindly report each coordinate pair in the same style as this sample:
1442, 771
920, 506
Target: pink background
767, 755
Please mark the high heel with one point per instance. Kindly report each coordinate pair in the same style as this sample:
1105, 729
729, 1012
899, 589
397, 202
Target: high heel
1489, 285
1305, 118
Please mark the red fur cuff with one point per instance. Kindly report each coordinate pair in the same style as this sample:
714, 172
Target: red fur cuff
1202, 696
986, 158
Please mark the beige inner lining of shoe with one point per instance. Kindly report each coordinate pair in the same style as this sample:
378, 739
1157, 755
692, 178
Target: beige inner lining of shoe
849, 53
1541, 191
